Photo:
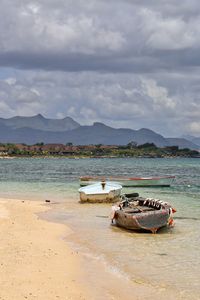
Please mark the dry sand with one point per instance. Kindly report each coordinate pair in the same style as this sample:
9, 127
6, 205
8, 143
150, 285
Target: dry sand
37, 263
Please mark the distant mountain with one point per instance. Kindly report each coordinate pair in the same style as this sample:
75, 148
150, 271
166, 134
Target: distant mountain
36, 129
196, 140
145, 135
182, 143
193, 139
98, 133
41, 123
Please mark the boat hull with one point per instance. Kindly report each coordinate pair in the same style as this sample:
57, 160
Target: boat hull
101, 192
111, 197
132, 182
142, 214
151, 221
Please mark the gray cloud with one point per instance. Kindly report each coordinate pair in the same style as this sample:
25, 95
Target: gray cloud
126, 63
119, 36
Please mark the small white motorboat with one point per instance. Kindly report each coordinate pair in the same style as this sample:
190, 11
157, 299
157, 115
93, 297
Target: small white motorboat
101, 192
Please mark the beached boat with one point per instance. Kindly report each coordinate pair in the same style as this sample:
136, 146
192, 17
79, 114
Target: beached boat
101, 192
162, 181
139, 213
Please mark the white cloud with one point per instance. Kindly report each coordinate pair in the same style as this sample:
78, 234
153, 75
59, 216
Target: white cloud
88, 114
39, 28
169, 33
158, 95
11, 81
17, 98
34, 91
194, 128
4, 108
60, 115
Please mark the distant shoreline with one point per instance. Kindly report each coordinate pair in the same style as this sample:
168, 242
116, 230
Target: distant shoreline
92, 157
147, 150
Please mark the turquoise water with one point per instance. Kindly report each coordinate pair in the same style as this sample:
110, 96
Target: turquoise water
40, 176
169, 260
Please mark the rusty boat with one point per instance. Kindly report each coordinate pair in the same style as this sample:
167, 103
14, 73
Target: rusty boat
138, 213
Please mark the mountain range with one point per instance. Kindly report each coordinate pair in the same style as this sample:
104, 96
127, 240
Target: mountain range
41, 123
35, 129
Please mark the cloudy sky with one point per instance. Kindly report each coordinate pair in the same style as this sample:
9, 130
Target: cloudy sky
126, 63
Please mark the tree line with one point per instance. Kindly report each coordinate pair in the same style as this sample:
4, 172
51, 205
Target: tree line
99, 150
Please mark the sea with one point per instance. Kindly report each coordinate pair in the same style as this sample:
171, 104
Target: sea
168, 260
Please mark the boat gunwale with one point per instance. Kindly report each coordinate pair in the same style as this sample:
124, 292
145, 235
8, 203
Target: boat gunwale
102, 178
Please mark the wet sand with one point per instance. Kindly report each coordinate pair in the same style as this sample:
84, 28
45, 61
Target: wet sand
37, 263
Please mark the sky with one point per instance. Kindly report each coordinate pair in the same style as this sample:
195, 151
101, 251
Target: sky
127, 63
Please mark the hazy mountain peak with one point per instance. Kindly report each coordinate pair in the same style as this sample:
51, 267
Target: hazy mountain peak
40, 122
39, 116
99, 124
146, 130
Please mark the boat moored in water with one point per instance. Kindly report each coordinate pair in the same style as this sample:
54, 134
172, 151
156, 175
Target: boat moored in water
139, 213
162, 181
101, 192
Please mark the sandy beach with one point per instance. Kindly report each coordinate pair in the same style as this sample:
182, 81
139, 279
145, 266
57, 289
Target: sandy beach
37, 263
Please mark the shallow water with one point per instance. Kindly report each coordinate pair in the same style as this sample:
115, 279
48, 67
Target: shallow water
169, 260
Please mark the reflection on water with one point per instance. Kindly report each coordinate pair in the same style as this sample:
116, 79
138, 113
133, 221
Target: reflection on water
169, 259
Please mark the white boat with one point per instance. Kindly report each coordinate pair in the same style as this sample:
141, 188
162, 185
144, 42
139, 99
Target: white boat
101, 192
162, 181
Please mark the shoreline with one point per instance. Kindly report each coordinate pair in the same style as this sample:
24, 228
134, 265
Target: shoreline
94, 157
38, 263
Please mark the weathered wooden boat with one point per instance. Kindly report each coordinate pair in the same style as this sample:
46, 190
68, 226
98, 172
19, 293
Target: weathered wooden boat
162, 181
137, 213
101, 192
